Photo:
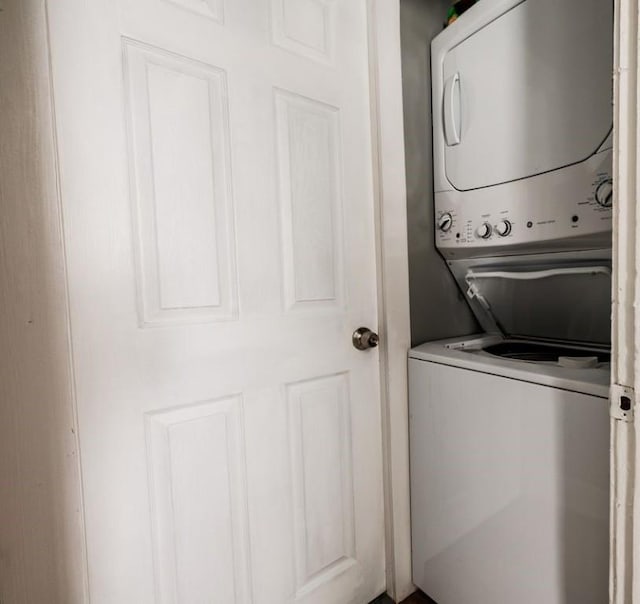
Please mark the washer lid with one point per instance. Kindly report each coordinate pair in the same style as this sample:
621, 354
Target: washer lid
529, 92
567, 304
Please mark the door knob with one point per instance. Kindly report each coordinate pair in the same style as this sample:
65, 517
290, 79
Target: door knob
363, 338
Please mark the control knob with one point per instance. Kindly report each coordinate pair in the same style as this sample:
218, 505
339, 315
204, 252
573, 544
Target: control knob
484, 230
445, 222
503, 228
604, 193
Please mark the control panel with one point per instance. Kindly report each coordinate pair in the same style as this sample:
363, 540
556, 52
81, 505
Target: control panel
554, 208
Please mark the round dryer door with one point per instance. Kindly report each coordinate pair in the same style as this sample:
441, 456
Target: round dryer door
528, 92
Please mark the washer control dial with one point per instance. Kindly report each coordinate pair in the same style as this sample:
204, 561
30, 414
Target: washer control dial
484, 230
445, 222
503, 228
604, 193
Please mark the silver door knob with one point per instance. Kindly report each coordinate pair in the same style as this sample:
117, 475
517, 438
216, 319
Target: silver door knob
363, 338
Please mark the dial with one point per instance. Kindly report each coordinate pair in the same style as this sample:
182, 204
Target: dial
604, 193
503, 228
484, 230
445, 222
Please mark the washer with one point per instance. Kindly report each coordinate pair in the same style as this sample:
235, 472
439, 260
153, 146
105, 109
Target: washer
509, 474
510, 436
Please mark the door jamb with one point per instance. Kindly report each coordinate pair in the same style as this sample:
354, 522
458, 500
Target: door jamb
624, 575
393, 284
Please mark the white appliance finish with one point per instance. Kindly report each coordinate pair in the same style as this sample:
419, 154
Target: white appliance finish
519, 156
509, 491
509, 459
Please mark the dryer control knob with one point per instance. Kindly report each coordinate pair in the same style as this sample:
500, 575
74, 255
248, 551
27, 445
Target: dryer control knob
445, 222
604, 193
484, 230
503, 228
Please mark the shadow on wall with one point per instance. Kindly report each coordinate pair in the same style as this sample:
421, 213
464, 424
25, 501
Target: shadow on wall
41, 536
438, 309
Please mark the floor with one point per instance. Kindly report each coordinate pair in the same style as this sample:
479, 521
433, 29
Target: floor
416, 598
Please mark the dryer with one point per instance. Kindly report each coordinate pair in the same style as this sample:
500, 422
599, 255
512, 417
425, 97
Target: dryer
522, 127
522, 136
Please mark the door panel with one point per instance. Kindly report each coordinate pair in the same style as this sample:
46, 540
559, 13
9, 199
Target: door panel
305, 27
310, 186
195, 455
230, 433
322, 479
183, 200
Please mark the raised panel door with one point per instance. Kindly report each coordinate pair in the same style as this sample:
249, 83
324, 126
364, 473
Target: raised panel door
214, 157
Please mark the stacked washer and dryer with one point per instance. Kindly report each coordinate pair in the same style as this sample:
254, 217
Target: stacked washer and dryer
510, 428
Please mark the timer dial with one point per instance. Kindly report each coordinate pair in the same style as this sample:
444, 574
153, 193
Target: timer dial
445, 222
604, 193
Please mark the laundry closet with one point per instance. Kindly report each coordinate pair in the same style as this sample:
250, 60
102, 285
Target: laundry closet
204, 336
509, 418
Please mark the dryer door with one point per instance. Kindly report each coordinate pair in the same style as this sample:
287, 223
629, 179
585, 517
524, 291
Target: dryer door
528, 92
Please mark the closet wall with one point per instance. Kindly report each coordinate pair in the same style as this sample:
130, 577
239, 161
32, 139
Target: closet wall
438, 309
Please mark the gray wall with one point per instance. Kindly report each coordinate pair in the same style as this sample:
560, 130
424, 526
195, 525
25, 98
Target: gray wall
438, 309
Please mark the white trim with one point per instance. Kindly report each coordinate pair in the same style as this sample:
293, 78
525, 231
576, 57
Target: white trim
393, 288
624, 566
79, 560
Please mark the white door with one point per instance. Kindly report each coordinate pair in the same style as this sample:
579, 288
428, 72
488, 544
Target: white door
216, 179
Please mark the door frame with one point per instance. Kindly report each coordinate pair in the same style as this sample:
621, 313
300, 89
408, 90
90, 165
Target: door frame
624, 586
393, 284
